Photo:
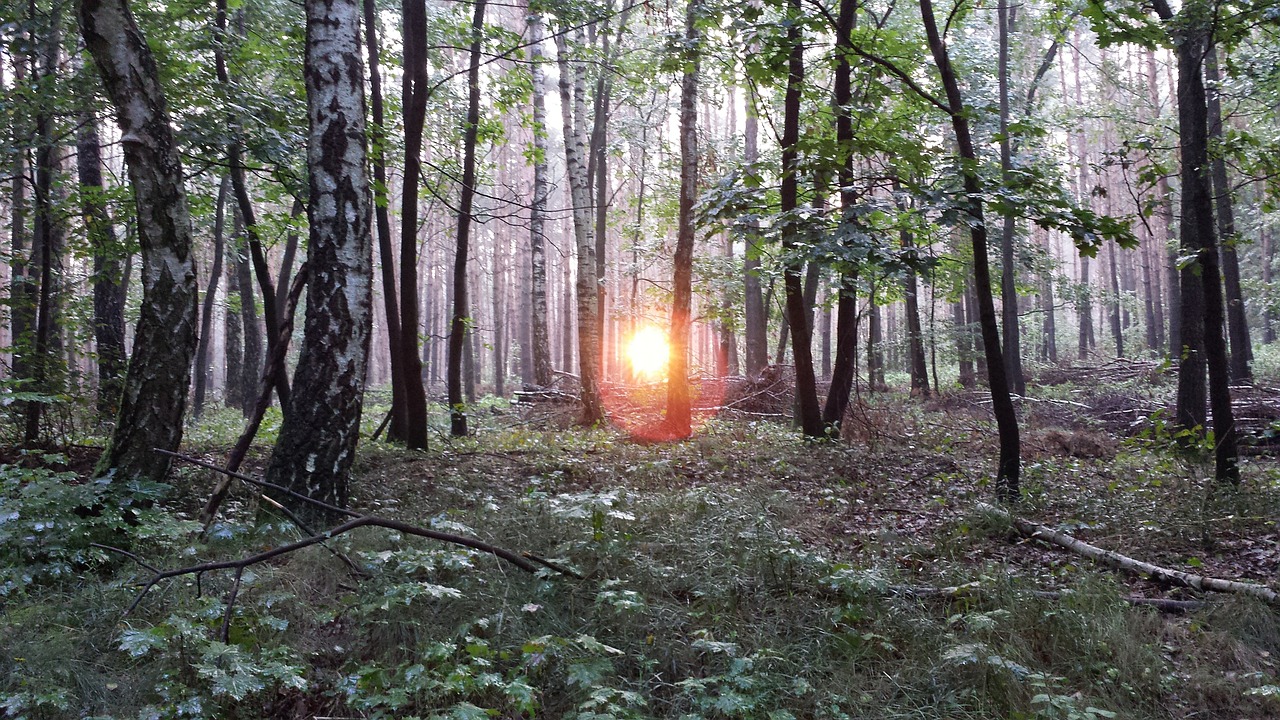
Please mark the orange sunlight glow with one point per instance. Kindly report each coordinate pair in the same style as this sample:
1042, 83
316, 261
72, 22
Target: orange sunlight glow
647, 352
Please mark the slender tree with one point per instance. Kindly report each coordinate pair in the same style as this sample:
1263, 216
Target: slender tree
1001, 402
678, 402
203, 369
414, 98
458, 329
809, 412
1237, 325
540, 338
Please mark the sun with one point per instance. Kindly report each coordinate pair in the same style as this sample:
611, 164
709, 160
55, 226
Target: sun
647, 352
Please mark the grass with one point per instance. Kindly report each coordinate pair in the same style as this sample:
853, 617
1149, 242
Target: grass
744, 573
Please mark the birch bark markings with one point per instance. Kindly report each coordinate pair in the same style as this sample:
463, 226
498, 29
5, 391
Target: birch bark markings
540, 340
572, 105
155, 386
317, 441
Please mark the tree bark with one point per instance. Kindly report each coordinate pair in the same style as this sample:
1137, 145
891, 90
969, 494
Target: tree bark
540, 339
414, 96
573, 109
1268, 311
1001, 402
203, 370
155, 387
258, 257
382, 222
317, 441
678, 416
458, 327
1241, 348
1012, 344
1203, 323
808, 411
108, 293
756, 320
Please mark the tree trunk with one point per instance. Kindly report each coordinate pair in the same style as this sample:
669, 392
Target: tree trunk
317, 441
1012, 346
251, 367
756, 319
458, 325
1268, 310
678, 416
808, 412
572, 104
540, 339
108, 293
203, 370
233, 394
21, 289
915, 337
382, 221
155, 387
1202, 312
1117, 329
1237, 326
964, 343
1001, 402
414, 97
875, 337
256, 254
48, 238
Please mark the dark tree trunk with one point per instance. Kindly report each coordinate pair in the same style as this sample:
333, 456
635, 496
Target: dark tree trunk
1001, 402
1117, 328
203, 369
458, 325
414, 96
678, 416
317, 442
108, 292
964, 343
1050, 352
48, 238
756, 320
256, 254
1237, 326
251, 366
1012, 344
1084, 310
1203, 321
396, 431
808, 412
875, 338
234, 391
540, 340
21, 289
156, 383
915, 337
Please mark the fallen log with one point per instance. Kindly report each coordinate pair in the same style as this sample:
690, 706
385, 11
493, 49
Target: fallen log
1028, 529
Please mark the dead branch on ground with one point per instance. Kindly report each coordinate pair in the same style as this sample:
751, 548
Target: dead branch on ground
1130, 565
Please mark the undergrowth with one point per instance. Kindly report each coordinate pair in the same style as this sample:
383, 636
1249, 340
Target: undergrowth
741, 574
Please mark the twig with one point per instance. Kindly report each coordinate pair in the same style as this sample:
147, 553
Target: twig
231, 603
126, 553
1130, 565
554, 566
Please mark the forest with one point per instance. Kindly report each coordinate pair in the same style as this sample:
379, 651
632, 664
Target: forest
623, 359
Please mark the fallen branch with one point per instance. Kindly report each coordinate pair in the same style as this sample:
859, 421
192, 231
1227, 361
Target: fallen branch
969, 590
1130, 565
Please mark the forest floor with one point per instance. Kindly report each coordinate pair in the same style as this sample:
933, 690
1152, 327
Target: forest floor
744, 573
